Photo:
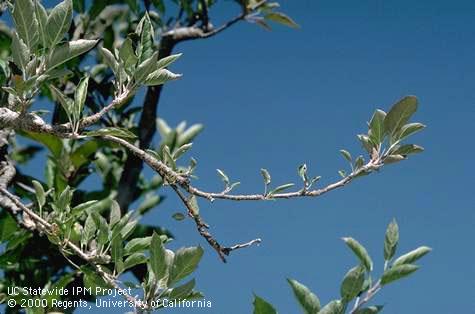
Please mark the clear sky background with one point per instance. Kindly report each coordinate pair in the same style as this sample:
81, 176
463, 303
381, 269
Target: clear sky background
278, 99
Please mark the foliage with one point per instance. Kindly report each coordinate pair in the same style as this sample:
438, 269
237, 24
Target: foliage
358, 285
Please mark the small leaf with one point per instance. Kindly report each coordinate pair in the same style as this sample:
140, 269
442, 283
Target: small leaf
391, 240
280, 188
118, 132
391, 159
410, 129
157, 257
181, 150
110, 60
342, 173
160, 77
40, 193
137, 245
408, 149
360, 252
114, 216
184, 263
178, 216
398, 272
261, 306
281, 18
68, 51
302, 171
80, 97
266, 176
359, 162
366, 143
223, 176
58, 22
306, 298
165, 62
65, 102
399, 114
412, 256
20, 52
334, 307
127, 56
346, 155
376, 127
134, 259
117, 251
145, 68
352, 283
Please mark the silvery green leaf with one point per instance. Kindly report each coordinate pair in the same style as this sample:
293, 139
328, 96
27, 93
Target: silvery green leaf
409, 129
261, 306
308, 301
303, 172
165, 62
127, 55
145, 68
398, 272
117, 252
20, 52
189, 134
58, 22
115, 214
110, 60
352, 283
407, 149
391, 240
80, 96
334, 307
366, 143
181, 150
178, 216
137, 245
160, 77
223, 176
346, 155
281, 18
68, 51
280, 188
412, 256
266, 176
399, 114
146, 39
359, 162
157, 257
360, 252
42, 18
119, 132
376, 127
184, 263
134, 259
375, 309
39, 193
65, 101
393, 159
25, 22
182, 291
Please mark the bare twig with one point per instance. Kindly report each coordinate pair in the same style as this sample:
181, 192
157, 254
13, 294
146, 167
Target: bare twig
369, 295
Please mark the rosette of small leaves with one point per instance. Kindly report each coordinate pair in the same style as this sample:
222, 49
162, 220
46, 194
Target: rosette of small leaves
357, 287
386, 134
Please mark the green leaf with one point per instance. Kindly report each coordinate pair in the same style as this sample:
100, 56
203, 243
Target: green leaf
157, 257
117, 251
359, 162
40, 193
65, 101
20, 52
408, 149
223, 176
109, 59
118, 132
376, 126
181, 150
181, 292
58, 22
53, 143
261, 306
137, 245
165, 62
366, 143
334, 307
146, 39
370, 310
114, 216
42, 18
266, 176
80, 96
160, 77
184, 263
352, 283
398, 272
89, 230
127, 55
281, 18
280, 188
346, 155
178, 216
25, 22
302, 171
409, 129
391, 159
145, 68
68, 51
189, 134
134, 259
391, 240
412, 256
360, 252
307, 299
399, 114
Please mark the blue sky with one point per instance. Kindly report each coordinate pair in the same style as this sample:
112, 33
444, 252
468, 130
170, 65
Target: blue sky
278, 99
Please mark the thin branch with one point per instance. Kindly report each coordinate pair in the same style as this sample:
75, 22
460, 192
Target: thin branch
369, 295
